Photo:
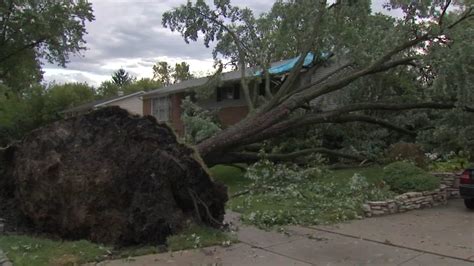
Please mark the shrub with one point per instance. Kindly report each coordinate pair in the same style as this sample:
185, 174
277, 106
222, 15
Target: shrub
450, 162
199, 124
403, 151
405, 177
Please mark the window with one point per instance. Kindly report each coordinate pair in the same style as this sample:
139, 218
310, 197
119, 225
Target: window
161, 109
228, 93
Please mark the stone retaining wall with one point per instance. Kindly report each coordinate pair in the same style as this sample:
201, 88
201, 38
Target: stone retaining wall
4, 261
451, 181
449, 188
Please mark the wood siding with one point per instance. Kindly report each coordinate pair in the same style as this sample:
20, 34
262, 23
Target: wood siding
147, 106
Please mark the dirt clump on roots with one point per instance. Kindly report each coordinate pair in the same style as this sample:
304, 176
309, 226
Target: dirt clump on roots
110, 177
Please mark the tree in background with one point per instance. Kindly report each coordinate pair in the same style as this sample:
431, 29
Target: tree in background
122, 78
59, 97
167, 74
181, 72
108, 89
38, 105
143, 84
162, 72
34, 30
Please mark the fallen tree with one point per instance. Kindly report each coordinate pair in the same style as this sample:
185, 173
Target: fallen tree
364, 45
110, 177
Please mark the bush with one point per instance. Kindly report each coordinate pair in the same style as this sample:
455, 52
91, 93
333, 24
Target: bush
407, 152
405, 177
451, 162
199, 123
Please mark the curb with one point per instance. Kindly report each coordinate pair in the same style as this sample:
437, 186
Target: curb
4, 261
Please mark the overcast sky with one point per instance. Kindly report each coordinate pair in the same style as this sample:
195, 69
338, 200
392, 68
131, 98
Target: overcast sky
128, 34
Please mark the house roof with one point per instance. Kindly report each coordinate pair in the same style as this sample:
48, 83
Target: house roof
193, 83
102, 102
276, 68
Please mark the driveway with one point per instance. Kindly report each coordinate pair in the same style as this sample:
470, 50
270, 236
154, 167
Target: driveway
438, 236
446, 231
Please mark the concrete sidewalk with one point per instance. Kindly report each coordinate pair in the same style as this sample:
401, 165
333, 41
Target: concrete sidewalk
393, 240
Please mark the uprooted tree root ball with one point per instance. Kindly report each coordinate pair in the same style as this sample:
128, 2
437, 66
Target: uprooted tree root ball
110, 177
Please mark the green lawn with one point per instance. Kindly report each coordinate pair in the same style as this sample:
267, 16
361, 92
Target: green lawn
325, 200
233, 177
25, 250
38, 251
372, 173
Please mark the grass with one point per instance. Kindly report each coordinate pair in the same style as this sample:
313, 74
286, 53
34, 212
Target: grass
199, 236
231, 176
26, 250
30, 250
372, 173
327, 199
235, 179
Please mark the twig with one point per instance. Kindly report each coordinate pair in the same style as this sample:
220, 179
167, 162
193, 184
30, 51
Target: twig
196, 208
206, 208
240, 193
440, 21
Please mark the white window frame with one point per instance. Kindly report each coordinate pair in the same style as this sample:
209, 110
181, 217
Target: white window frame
161, 108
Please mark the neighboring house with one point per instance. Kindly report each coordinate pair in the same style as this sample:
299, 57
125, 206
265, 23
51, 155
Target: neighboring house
130, 102
227, 99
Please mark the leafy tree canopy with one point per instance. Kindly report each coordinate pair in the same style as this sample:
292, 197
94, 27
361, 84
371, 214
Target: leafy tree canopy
31, 31
167, 74
109, 88
122, 78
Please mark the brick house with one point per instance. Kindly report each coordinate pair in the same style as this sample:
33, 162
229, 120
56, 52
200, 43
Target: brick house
228, 99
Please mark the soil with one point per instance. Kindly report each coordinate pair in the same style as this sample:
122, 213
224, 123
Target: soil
109, 177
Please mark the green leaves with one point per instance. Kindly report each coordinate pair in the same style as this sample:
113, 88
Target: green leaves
405, 177
34, 30
167, 74
286, 194
199, 124
122, 78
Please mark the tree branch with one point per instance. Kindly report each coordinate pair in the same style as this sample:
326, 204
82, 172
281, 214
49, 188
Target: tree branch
288, 83
371, 120
463, 17
396, 107
443, 12
252, 157
241, 53
19, 50
298, 122
6, 20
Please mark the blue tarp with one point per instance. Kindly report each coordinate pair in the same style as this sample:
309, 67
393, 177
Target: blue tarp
287, 65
